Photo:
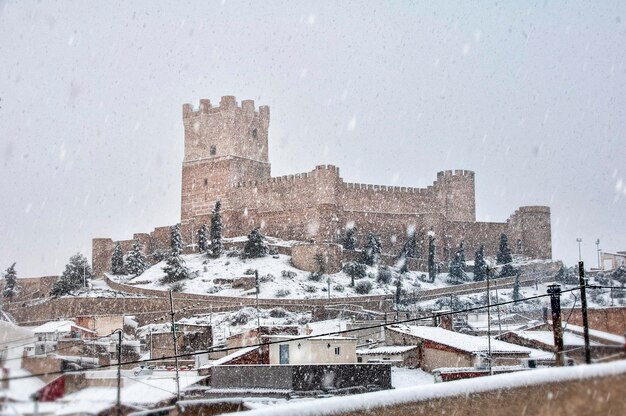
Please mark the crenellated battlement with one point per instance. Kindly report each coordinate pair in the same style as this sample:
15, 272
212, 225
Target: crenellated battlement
227, 103
385, 188
456, 172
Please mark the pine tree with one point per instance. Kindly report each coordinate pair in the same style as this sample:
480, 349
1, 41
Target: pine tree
371, 251
10, 283
135, 261
504, 257
175, 269
215, 248
349, 242
480, 265
117, 260
203, 240
75, 276
456, 272
516, 288
432, 267
255, 246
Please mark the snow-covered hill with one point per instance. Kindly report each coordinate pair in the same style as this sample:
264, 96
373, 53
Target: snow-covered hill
278, 278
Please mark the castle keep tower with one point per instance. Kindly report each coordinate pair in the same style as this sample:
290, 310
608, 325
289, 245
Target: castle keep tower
224, 145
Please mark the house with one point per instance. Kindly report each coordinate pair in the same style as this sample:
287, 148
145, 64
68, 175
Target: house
49, 334
611, 261
438, 347
290, 349
102, 325
396, 355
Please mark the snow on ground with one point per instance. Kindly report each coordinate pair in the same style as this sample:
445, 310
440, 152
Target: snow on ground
408, 377
376, 400
210, 276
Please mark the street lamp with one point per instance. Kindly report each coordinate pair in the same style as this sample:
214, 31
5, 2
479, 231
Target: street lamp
580, 257
598, 250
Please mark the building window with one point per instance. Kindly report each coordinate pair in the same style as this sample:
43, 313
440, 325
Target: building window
359, 359
254, 133
213, 150
206, 182
337, 351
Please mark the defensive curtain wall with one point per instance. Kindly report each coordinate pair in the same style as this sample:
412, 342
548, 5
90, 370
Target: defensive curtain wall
149, 304
226, 158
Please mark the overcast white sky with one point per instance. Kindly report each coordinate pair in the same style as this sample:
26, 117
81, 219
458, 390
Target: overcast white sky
530, 95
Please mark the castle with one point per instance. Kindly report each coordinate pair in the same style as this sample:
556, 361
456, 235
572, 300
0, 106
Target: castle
226, 158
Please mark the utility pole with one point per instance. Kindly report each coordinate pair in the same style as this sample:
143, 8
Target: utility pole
583, 302
119, 372
175, 346
258, 315
557, 328
489, 270
598, 250
329, 290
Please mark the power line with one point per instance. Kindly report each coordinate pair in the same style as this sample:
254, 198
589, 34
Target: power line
192, 354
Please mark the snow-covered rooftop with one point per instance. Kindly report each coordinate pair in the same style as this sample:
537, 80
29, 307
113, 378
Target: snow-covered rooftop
387, 350
57, 326
462, 342
547, 337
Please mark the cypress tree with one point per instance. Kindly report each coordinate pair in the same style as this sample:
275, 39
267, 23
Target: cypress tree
203, 239
371, 251
409, 249
135, 261
215, 248
175, 269
516, 288
504, 257
480, 265
10, 283
117, 260
456, 272
432, 267
349, 242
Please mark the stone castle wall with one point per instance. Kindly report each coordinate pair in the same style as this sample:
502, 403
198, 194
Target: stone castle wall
226, 158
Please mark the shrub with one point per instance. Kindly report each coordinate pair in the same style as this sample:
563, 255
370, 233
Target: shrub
242, 316
384, 275
279, 313
213, 289
249, 272
354, 270
338, 288
234, 253
177, 287
282, 293
272, 251
288, 274
310, 289
266, 278
315, 276
363, 287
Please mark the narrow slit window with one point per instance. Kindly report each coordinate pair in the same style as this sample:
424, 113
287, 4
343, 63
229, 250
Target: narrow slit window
213, 150
206, 182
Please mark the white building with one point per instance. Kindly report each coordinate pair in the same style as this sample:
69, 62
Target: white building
289, 349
